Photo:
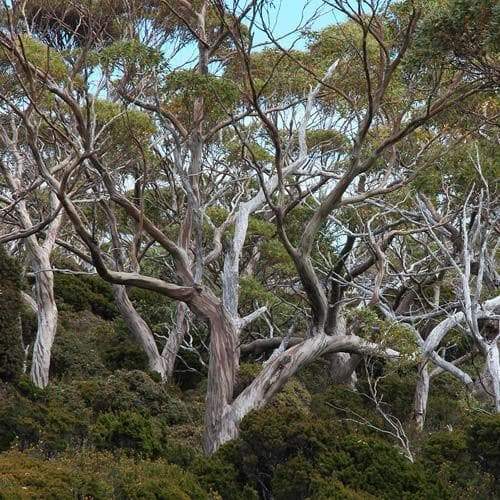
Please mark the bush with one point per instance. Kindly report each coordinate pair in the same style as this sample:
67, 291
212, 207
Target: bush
79, 293
483, 439
76, 352
291, 450
53, 419
136, 391
128, 430
121, 351
126, 410
447, 453
11, 350
99, 476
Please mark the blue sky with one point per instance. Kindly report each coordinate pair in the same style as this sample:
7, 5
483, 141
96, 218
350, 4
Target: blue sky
287, 15
285, 18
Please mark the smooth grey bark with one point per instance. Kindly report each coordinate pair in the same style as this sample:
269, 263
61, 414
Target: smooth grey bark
46, 318
140, 330
175, 339
277, 372
421, 395
493, 370
342, 365
39, 252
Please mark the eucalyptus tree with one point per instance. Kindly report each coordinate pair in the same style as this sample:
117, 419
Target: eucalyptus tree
238, 132
31, 212
393, 99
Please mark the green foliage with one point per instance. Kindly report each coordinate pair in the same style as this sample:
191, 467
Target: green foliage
183, 87
126, 126
251, 289
297, 455
44, 58
126, 53
466, 28
98, 476
326, 140
78, 293
275, 76
11, 351
448, 454
133, 390
126, 410
77, 350
483, 437
390, 334
122, 351
246, 374
129, 431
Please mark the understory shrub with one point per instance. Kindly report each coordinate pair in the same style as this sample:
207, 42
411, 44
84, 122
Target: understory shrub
97, 476
11, 351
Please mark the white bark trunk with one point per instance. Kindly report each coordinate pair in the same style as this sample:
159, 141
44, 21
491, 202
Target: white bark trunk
276, 374
140, 330
421, 396
493, 367
342, 364
176, 338
46, 318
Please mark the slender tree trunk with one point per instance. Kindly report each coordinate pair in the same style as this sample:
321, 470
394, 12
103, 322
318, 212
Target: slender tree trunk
421, 396
493, 369
175, 339
140, 330
46, 318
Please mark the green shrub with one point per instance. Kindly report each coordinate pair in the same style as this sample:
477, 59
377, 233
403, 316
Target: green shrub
217, 473
483, 438
136, 391
96, 475
11, 351
128, 430
292, 479
23, 477
289, 451
77, 351
52, 420
121, 351
447, 454
79, 293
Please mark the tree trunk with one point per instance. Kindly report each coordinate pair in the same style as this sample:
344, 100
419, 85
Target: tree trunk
46, 318
342, 365
421, 396
493, 369
274, 375
140, 330
175, 339
222, 370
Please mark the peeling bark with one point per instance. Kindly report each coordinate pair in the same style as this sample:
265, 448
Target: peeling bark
222, 370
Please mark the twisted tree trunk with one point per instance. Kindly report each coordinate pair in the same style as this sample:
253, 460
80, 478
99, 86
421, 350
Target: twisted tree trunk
46, 318
222, 370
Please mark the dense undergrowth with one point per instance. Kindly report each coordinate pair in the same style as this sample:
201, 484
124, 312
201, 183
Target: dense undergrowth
106, 428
